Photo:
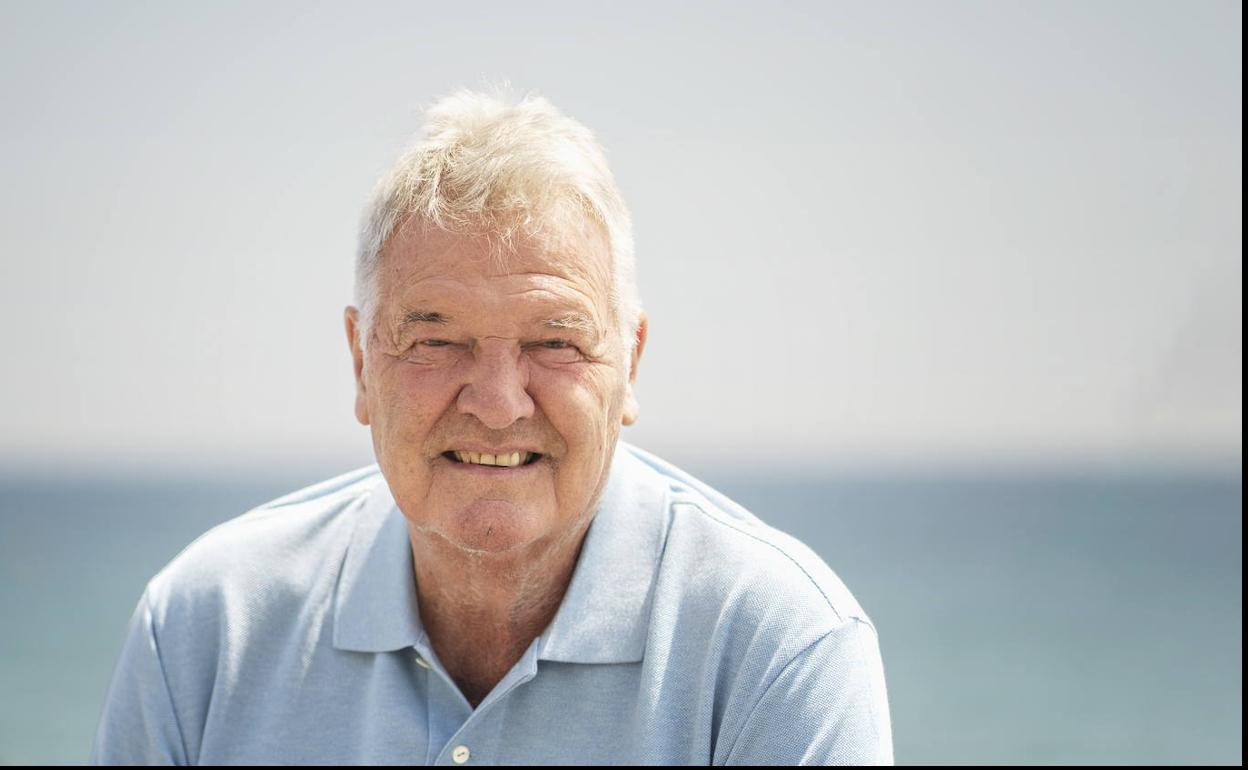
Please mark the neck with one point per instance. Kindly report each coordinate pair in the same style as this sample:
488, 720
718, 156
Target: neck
481, 611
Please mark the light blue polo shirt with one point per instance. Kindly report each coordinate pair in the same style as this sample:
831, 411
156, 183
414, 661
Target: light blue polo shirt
691, 633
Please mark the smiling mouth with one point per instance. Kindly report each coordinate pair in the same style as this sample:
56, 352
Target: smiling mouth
504, 460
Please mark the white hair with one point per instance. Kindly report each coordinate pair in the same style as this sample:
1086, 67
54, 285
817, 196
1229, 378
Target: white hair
487, 166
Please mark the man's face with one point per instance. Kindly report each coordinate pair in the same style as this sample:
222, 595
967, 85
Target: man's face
468, 356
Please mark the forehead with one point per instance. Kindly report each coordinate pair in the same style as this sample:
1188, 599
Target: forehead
571, 264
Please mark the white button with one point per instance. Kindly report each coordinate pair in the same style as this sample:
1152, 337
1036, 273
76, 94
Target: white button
421, 662
460, 754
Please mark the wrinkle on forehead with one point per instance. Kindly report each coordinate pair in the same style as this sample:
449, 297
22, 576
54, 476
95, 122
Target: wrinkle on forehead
575, 262
498, 240
558, 305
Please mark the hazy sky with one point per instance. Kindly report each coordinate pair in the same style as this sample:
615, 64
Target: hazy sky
866, 232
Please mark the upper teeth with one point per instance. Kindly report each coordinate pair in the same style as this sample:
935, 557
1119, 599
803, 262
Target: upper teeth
505, 460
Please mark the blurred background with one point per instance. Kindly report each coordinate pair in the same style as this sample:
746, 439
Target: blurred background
950, 291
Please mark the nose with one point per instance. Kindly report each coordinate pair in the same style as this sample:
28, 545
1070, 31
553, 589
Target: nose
496, 388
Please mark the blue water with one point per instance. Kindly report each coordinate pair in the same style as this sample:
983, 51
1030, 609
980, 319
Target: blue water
1030, 620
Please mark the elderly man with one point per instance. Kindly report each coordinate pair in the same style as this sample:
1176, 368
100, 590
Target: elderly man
510, 583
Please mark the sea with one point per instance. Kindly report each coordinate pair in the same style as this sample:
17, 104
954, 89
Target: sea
1075, 618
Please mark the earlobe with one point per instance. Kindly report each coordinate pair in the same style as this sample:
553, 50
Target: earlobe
631, 409
643, 329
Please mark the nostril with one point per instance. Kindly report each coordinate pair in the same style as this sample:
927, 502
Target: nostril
496, 404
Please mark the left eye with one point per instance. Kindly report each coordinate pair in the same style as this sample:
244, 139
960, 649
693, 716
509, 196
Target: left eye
556, 352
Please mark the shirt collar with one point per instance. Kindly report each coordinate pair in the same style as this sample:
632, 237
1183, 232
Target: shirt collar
604, 616
375, 607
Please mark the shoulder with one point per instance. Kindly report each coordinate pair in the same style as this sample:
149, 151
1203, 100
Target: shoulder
274, 552
719, 552
785, 657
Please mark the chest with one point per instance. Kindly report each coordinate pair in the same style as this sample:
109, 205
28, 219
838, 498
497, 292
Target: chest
390, 708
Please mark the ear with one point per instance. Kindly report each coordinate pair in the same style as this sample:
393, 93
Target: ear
352, 318
631, 409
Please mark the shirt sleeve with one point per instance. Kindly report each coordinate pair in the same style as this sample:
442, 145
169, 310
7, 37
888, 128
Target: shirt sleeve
827, 706
138, 725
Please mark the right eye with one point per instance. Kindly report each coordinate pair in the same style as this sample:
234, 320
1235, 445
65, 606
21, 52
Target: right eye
432, 351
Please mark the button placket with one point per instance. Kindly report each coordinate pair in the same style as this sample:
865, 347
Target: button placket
522, 672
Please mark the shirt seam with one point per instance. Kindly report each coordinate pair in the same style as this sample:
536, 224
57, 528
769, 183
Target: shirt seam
831, 604
359, 486
164, 679
767, 690
865, 662
258, 513
326, 500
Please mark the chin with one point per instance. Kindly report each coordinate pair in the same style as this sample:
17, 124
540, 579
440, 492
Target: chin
493, 526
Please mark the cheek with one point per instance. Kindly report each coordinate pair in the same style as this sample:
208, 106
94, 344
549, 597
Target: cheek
581, 406
412, 398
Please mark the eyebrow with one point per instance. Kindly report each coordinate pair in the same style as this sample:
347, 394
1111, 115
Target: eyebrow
422, 317
572, 321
